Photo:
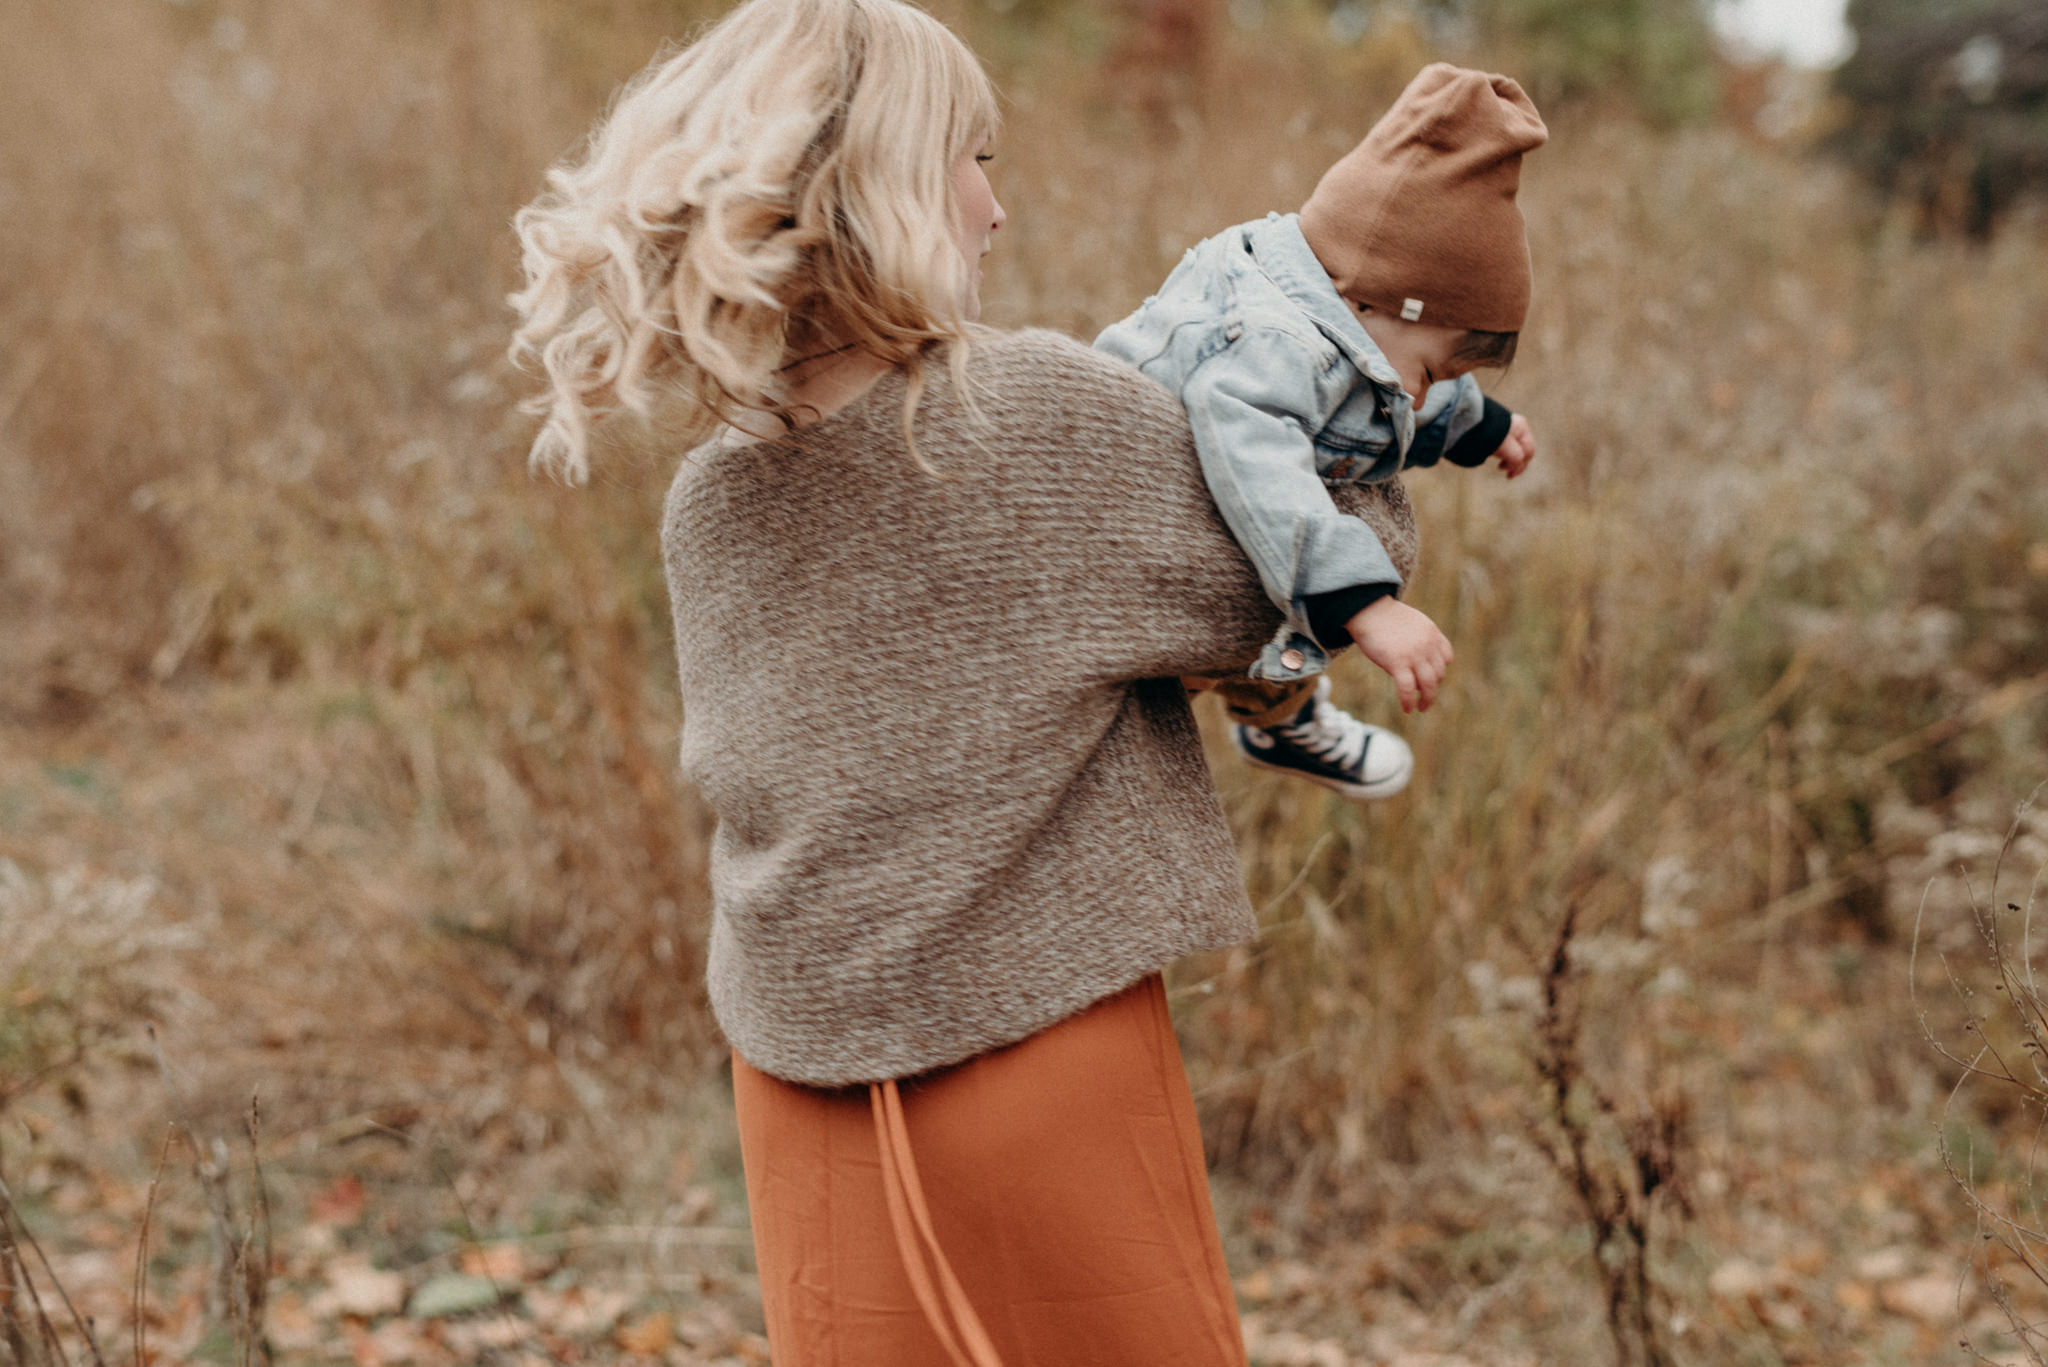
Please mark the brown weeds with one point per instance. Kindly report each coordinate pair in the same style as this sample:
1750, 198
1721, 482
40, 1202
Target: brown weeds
2002, 1049
29, 1334
290, 644
1623, 1171
239, 1287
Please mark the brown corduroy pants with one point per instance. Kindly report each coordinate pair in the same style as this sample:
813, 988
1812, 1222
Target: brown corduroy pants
1043, 1205
1255, 702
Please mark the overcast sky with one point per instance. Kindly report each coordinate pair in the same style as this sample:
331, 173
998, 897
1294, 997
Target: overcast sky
1809, 32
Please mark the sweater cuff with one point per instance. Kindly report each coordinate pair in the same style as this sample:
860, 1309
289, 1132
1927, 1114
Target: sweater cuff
1329, 612
1484, 438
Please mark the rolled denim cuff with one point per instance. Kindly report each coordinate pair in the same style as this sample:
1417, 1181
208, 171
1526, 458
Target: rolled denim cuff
1290, 655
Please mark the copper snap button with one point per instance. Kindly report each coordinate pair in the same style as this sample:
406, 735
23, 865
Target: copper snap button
1293, 659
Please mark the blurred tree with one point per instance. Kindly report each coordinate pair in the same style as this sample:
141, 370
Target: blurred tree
1949, 105
1656, 54
1160, 60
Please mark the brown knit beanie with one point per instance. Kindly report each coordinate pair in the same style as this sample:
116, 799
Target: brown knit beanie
1419, 220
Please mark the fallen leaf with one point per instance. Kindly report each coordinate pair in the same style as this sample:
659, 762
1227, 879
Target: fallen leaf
397, 1342
1886, 1264
697, 1206
107, 1234
709, 1329
1737, 1279
648, 1336
1286, 1348
502, 1263
88, 1271
340, 1204
290, 1326
576, 1313
1808, 1259
311, 1246
473, 1339
363, 1350
360, 1291
1858, 1298
453, 1293
1930, 1299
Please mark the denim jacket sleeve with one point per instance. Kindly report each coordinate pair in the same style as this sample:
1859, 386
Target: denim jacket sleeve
1247, 405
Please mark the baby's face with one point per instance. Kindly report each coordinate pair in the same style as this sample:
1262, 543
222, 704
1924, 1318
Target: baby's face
1422, 353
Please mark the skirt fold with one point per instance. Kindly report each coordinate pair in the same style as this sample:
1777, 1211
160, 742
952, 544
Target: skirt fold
1063, 1193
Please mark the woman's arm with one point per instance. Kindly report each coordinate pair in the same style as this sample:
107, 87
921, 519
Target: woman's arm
1099, 462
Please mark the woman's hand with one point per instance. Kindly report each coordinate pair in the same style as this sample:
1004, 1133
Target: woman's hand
1405, 643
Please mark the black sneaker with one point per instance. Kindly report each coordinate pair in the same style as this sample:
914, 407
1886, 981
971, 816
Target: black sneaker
1327, 745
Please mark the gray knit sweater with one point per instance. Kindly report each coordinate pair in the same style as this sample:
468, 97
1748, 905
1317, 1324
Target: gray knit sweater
960, 795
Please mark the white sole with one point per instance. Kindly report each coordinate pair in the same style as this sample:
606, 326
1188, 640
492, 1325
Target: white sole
1362, 792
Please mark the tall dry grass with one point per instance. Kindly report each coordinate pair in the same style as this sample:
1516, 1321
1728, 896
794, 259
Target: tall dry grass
1768, 617
270, 552
1737, 668
289, 633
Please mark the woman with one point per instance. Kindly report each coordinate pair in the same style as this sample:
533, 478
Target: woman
932, 587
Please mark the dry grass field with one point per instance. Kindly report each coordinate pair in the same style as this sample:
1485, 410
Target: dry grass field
341, 751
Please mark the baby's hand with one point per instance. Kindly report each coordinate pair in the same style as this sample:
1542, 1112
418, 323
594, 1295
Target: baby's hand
1406, 644
1518, 448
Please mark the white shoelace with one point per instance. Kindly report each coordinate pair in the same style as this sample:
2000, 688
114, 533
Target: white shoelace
1330, 734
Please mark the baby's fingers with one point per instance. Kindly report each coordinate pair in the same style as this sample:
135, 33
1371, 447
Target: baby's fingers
1427, 680
1429, 676
1405, 686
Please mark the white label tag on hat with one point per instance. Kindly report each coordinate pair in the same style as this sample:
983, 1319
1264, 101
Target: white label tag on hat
1411, 309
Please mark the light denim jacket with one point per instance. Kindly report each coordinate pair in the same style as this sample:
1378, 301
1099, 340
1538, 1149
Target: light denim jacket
1286, 392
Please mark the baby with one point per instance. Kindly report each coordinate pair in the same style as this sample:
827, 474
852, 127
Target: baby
1334, 346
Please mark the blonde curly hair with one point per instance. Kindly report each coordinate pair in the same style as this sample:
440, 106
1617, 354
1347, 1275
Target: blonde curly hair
781, 182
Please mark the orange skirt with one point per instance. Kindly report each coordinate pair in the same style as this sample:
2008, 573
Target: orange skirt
1043, 1205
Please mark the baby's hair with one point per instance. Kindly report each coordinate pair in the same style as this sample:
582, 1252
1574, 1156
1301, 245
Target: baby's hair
1479, 350
782, 182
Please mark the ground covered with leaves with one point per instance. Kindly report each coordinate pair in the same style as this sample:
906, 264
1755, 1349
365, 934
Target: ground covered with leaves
338, 753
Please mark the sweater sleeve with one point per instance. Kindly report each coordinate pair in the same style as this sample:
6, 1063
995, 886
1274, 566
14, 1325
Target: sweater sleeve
1147, 580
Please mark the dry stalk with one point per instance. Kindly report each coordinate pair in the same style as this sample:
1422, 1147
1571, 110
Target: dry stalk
22, 1322
17, 1277
209, 1163
237, 1292
140, 1299
253, 1253
1622, 1171
2009, 1054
